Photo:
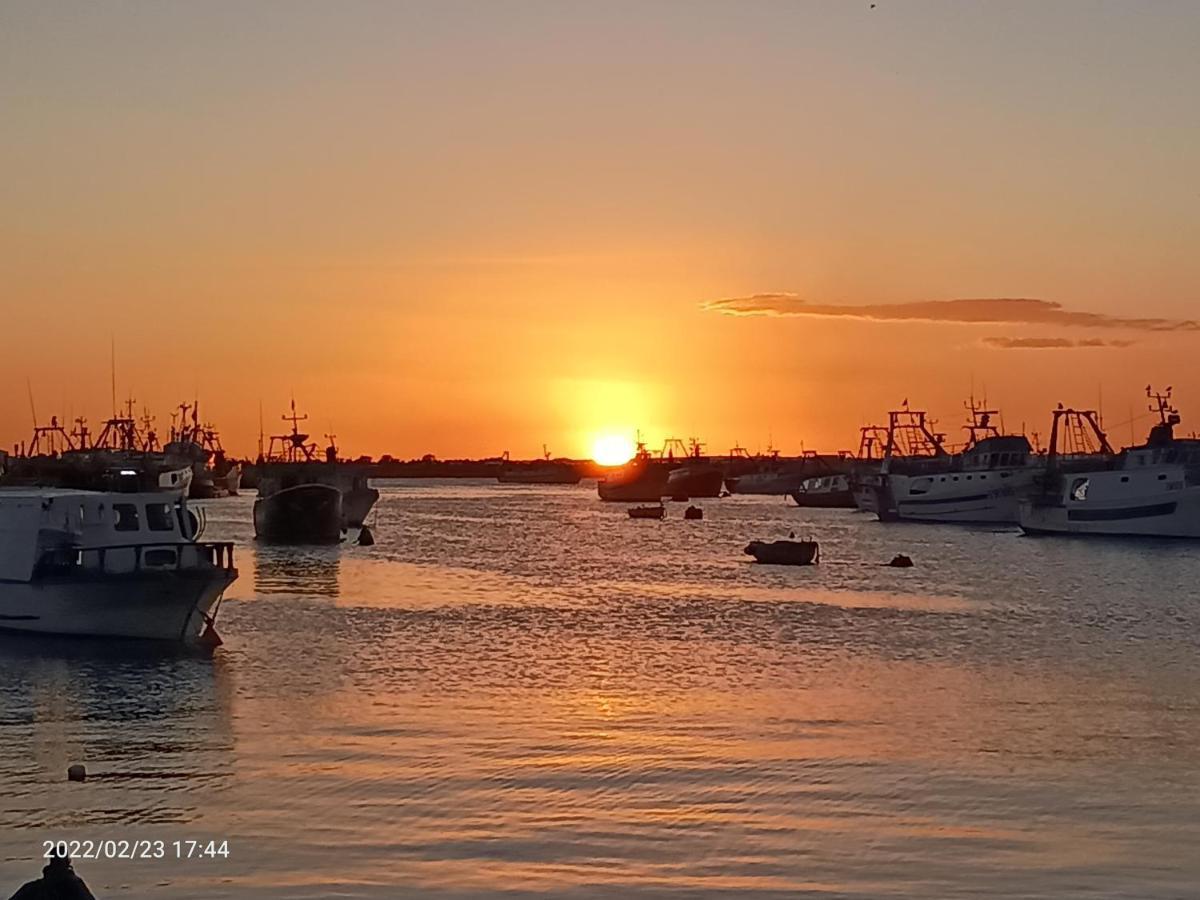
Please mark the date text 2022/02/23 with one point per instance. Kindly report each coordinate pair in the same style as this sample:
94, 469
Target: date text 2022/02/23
142, 848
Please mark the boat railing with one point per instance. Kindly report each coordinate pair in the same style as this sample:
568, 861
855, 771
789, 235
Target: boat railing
126, 559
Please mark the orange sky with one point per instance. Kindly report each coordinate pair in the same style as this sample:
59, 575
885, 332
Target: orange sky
463, 228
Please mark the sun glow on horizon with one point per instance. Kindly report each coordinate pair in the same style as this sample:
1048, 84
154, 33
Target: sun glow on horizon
612, 449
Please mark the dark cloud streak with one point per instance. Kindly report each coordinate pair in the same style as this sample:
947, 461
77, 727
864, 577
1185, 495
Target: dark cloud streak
1036, 343
986, 311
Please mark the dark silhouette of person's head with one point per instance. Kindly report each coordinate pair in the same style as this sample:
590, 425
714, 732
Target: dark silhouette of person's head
58, 882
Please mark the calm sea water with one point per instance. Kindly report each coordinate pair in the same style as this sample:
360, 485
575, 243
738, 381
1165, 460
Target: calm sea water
520, 691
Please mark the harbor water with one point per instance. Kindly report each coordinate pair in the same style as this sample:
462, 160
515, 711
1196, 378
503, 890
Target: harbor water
519, 691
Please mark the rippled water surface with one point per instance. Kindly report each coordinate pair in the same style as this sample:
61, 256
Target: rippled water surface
522, 691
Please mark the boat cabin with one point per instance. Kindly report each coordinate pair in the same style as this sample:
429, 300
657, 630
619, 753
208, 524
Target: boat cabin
1008, 451
58, 531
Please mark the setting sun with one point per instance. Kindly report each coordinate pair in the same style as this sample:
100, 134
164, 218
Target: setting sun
612, 449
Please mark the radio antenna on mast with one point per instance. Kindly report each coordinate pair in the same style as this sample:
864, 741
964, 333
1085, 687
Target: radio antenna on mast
32, 411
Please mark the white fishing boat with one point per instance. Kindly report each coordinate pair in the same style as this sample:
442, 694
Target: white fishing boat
825, 492
865, 478
1151, 490
909, 447
176, 480
982, 484
102, 564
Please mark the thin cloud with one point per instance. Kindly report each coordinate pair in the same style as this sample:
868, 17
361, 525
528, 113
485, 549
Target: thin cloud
987, 311
1034, 343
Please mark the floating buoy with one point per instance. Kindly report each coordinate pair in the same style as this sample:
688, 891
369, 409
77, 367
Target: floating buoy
900, 561
76, 773
693, 512
365, 538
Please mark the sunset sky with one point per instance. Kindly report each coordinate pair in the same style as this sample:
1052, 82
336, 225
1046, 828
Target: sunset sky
462, 228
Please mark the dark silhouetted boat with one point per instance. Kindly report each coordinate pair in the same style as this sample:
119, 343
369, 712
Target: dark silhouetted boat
784, 553
642, 479
546, 471
691, 474
647, 512
826, 492
299, 496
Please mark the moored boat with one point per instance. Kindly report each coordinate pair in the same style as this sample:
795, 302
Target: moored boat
642, 479
695, 477
909, 446
825, 492
647, 512
98, 564
784, 553
1150, 490
982, 484
293, 510
545, 471
303, 499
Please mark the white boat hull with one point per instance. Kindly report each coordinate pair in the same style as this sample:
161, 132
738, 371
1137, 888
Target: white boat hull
177, 480
991, 497
166, 605
1172, 511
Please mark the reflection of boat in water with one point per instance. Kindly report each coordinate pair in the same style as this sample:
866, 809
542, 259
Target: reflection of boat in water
642, 479
297, 571
547, 471
107, 565
1152, 489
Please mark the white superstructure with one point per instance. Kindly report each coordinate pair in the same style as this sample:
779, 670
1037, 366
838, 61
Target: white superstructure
107, 565
983, 484
1150, 490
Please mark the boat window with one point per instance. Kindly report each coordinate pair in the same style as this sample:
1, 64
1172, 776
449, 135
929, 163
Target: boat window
1005, 474
1162, 477
1079, 489
982, 477
160, 557
126, 515
158, 516
1124, 477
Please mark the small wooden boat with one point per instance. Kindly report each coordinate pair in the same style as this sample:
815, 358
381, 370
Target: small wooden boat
647, 512
784, 553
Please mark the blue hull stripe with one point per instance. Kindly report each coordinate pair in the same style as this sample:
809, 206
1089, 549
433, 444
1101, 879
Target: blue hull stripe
1114, 515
